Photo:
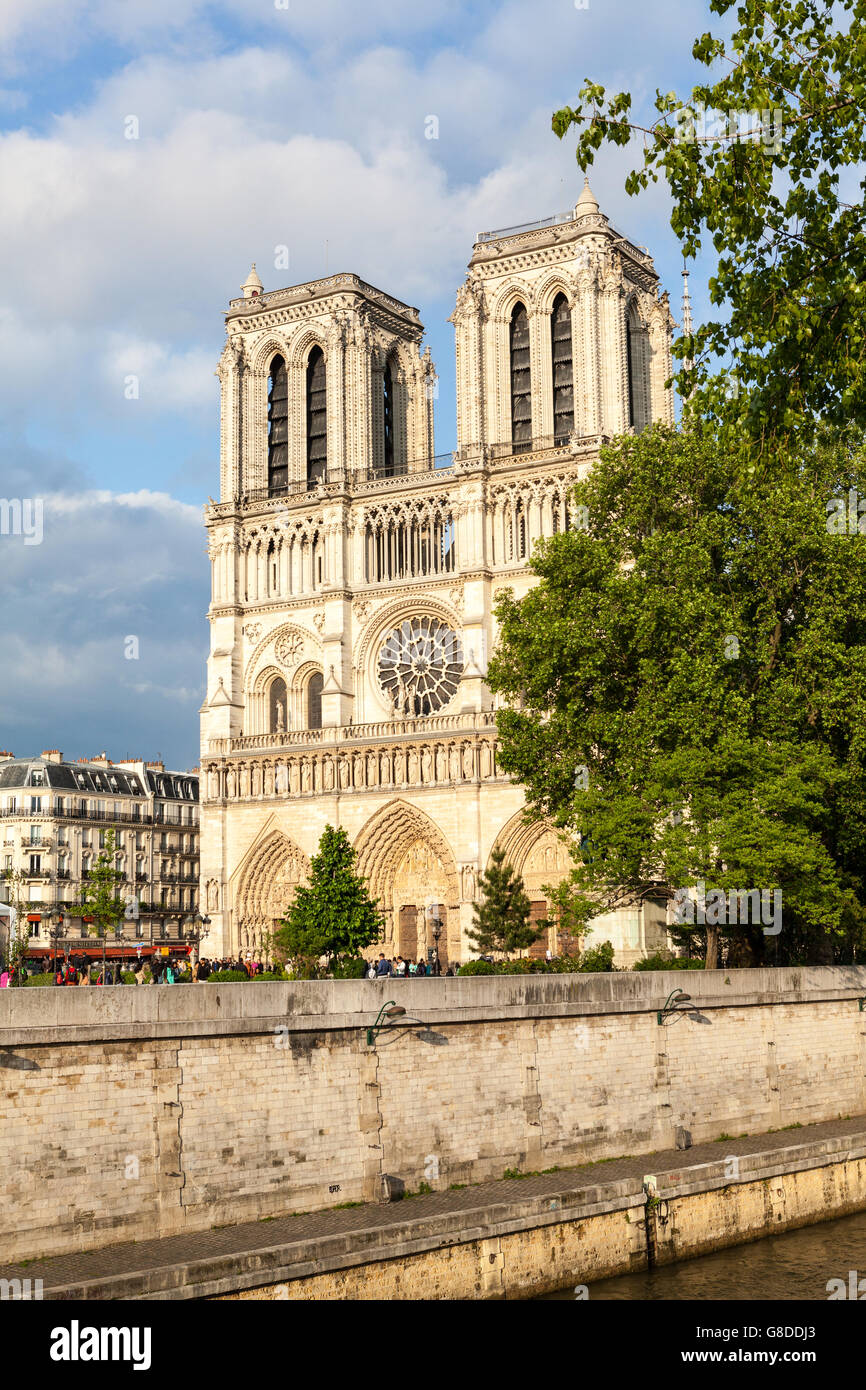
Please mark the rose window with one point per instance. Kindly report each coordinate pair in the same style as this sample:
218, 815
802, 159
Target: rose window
420, 664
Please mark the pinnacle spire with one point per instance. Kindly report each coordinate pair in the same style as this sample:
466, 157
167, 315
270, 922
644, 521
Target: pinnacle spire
587, 202
252, 285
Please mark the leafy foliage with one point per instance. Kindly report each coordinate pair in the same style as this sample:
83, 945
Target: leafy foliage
697, 658
333, 916
99, 898
757, 161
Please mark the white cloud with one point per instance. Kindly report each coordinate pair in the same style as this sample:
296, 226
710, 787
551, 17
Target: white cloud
110, 566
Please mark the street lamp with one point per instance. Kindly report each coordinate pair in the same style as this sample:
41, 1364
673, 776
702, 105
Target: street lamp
55, 931
437, 932
671, 1005
388, 1010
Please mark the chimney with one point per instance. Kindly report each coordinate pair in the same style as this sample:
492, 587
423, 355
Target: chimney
52, 755
157, 767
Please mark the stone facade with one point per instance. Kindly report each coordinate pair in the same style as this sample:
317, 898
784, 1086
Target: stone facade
131, 1113
354, 573
54, 816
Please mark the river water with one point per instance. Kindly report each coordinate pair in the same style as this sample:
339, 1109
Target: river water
796, 1265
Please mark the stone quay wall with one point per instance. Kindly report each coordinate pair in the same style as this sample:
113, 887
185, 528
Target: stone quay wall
132, 1113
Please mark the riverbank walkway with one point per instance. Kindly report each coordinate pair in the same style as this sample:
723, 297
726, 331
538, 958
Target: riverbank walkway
255, 1254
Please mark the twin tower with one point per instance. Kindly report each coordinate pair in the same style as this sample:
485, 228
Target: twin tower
354, 572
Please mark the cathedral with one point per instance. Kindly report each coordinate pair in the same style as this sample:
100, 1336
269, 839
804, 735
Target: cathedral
354, 572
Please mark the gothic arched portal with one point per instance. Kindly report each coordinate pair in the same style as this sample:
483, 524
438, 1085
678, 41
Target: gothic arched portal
541, 858
410, 869
265, 886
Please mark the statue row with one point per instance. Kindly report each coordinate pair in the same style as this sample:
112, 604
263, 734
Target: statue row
387, 767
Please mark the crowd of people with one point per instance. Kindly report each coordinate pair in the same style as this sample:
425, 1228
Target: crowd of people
170, 970
384, 967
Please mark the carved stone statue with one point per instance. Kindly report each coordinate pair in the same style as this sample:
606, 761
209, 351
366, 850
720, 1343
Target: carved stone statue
294, 781
269, 779
441, 768
359, 770
328, 775
232, 783
306, 776
427, 766
454, 762
345, 772
372, 769
281, 717
413, 767
384, 770
486, 760
468, 761
469, 883
257, 779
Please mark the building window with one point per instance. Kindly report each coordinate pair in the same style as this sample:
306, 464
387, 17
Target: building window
278, 427
521, 401
278, 705
314, 701
317, 418
563, 361
629, 369
388, 420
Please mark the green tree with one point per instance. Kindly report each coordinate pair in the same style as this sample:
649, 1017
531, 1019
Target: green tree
99, 896
500, 921
759, 160
688, 687
19, 934
332, 916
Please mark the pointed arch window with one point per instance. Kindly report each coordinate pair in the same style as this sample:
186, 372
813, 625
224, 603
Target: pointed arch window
317, 418
521, 400
563, 370
629, 362
277, 700
388, 421
278, 427
314, 701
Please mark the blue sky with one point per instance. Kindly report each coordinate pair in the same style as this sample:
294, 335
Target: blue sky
259, 125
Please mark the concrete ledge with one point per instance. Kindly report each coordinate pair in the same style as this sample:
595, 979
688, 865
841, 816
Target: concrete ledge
48, 1016
402, 1236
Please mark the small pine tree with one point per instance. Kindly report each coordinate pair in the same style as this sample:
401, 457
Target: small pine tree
332, 916
501, 920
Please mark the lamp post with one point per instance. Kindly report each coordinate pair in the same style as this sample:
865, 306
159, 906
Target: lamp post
437, 932
55, 931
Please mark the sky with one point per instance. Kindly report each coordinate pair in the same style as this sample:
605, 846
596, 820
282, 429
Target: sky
148, 154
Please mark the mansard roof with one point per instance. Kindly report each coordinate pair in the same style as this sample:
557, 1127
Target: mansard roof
36, 773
